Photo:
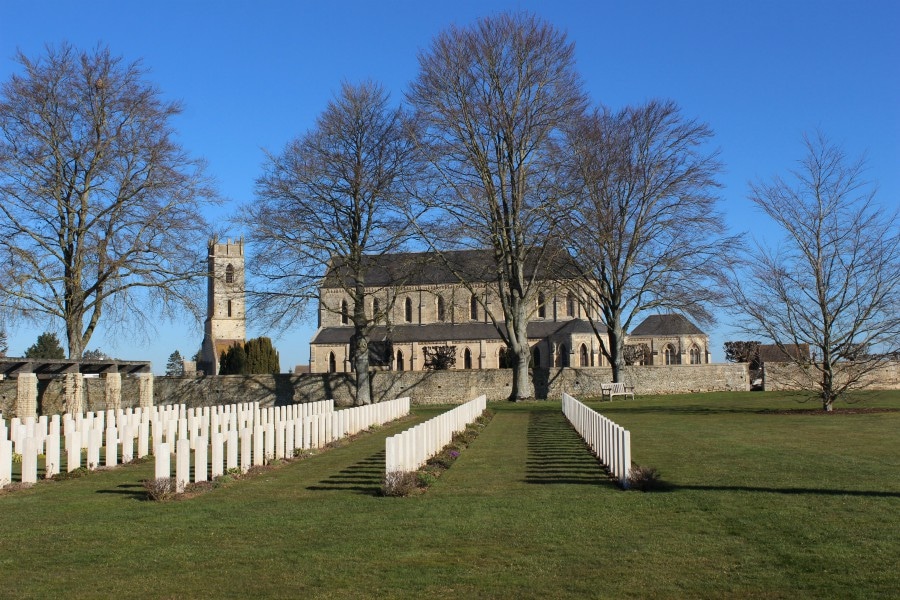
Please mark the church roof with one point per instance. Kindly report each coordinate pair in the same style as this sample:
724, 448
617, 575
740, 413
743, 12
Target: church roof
432, 268
454, 332
659, 325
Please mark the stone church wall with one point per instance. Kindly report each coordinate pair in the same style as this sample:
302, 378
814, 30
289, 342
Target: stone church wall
442, 387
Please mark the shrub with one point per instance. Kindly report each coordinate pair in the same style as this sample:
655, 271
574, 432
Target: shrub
644, 479
400, 483
426, 478
73, 474
159, 489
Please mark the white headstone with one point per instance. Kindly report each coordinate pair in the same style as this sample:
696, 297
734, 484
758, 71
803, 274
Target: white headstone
200, 463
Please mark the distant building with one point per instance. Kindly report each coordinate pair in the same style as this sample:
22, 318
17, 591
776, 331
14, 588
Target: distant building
226, 321
418, 300
673, 340
790, 353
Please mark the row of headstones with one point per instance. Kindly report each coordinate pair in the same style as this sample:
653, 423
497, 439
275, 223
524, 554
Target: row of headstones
240, 450
32, 436
609, 442
411, 449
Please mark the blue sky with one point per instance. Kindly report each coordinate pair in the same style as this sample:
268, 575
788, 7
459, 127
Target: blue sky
253, 75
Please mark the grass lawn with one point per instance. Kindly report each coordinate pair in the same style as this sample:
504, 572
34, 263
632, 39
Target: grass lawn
761, 504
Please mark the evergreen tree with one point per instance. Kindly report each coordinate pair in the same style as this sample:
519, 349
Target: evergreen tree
262, 358
175, 366
233, 361
46, 346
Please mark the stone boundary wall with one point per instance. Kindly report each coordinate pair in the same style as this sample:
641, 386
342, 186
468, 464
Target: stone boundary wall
424, 387
788, 376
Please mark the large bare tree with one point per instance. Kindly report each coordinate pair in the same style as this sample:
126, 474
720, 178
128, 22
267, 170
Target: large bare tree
332, 200
101, 209
491, 101
834, 280
644, 227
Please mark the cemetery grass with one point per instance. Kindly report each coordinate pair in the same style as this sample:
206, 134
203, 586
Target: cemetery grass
759, 503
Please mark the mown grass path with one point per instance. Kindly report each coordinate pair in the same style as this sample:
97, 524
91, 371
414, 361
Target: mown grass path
762, 505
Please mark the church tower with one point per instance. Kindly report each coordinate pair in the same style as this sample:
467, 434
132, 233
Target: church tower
226, 321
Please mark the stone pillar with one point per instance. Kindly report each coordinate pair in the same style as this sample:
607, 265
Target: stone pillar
74, 393
113, 391
26, 396
145, 389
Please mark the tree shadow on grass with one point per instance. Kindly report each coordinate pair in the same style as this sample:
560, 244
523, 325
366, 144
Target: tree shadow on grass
364, 477
557, 454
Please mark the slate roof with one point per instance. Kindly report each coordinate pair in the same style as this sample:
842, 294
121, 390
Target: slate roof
772, 353
661, 325
440, 332
431, 268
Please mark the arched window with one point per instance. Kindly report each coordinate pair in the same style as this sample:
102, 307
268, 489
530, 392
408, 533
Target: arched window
570, 305
345, 313
229, 274
332, 363
585, 357
441, 309
562, 356
229, 308
670, 354
536, 356
467, 359
400, 366
473, 307
542, 306
695, 355
408, 313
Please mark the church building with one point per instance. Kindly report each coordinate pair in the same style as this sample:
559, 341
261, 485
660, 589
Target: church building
418, 301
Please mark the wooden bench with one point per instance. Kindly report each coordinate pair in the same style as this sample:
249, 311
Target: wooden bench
608, 390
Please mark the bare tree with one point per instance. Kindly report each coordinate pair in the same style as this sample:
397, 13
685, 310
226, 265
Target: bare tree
644, 228
326, 205
100, 208
491, 101
834, 282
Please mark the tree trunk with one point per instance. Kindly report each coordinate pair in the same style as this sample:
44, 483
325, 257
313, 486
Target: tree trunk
522, 388
360, 345
74, 338
616, 350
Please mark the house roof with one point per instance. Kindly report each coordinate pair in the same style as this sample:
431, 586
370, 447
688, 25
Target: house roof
432, 268
659, 325
772, 353
440, 332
